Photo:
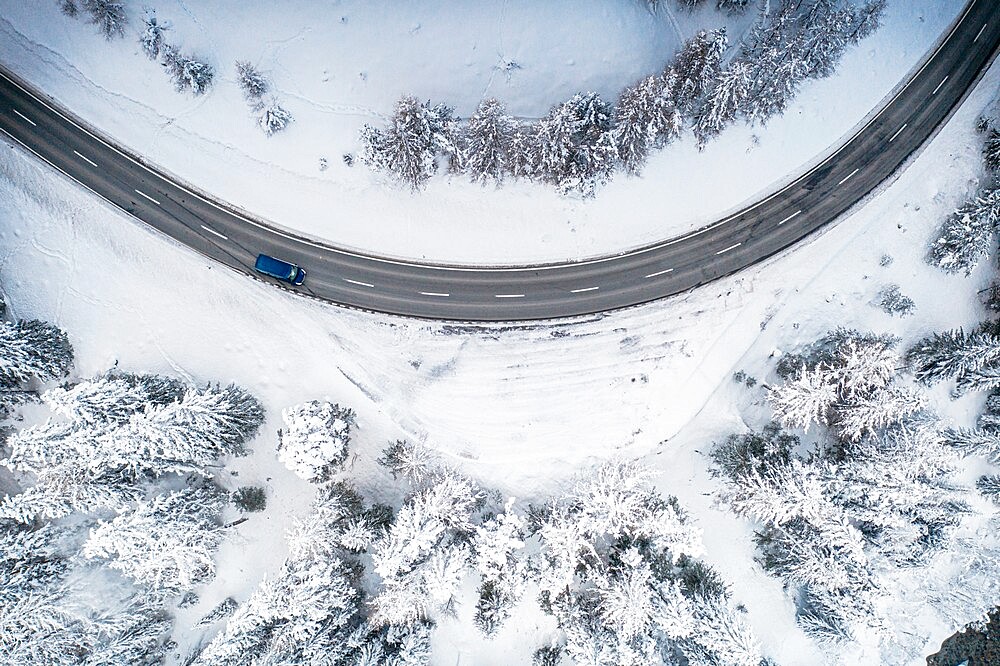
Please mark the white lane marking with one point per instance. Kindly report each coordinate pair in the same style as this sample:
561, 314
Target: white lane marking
939, 85
25, 117
979, 34
434, 293
272, 228
86, 159
789, 217
510, 295
665, 270
893, 137
731, 247
143, 194
849, 176
359, 283
580, 291
213, 231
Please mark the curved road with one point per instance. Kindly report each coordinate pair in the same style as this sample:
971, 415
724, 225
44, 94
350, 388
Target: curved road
344, 277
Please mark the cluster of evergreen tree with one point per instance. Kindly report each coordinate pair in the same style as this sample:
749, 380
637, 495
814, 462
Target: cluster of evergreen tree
970, 233
843, 520
109, 16
271, 116
579, 144
613, 561
90, 499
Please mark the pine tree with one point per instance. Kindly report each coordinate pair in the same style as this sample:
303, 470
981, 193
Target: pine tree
733, 6
990, 487
574, 146
806, 400
274, 118
112, 398
408, 148
251, 82
167, 543
108, 15
644, 117
952, 353
151, 38
968, 235
33, 349
991, 151
186, 73
487, 141
314, 442
725, 100
697, 66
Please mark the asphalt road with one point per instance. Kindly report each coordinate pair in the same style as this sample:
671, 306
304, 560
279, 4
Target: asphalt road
467, 293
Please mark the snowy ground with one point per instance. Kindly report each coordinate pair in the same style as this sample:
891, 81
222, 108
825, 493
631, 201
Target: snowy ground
372, 52
520, 408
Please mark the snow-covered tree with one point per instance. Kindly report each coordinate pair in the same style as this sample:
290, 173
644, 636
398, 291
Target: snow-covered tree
733, 6
413, 462
409, 146
151, 37
496, 546
112, 398
724, 101
574, 148
69, 8
991, 151
274, 118
989, 485
186, 73
952, 353
32, 349
968, 235
488, 141
697, 67
167, 543
422, 558
252, 83
806, 400
314, 442
108, 15
645, 117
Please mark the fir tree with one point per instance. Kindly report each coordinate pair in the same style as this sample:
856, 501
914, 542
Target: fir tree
274, 118
251, 82
697, 66
574, 147
151, 37
314, 442
968, 235
487, 142
952, 353
991, 151
108, 15
724, 101
408, 148
990, 487
33, 349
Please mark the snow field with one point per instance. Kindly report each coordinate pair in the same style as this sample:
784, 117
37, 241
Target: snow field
450, 54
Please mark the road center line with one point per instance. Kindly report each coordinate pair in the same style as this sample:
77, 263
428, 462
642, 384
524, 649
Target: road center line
213, 231
86, 159
849, 176
939, 85
731, 247
143, 194
26, 118
359, 283
579, 291
434, 293
893, 137
979, 34
789, 217
510, 295
666, 270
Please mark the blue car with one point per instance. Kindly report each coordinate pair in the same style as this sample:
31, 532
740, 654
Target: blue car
282, 270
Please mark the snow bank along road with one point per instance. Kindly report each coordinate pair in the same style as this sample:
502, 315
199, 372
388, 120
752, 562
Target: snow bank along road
819, 196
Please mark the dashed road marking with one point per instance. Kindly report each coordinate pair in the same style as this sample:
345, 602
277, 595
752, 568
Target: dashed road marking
509, 295
665, 270
849, 176
980, 33
580, 291
893, 137
86, 159
789, 217
26, 118
359, 283
434, 293
143, 194
731, 247
213, 231
939, 85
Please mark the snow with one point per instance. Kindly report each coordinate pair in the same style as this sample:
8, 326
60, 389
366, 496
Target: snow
521, 407
448, 53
